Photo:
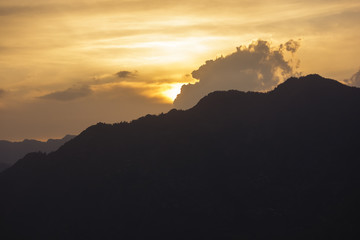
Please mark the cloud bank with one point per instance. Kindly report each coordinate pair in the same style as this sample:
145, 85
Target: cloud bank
256, 67
160, 90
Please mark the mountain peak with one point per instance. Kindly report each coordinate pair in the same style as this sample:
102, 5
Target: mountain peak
308, 87
312, 82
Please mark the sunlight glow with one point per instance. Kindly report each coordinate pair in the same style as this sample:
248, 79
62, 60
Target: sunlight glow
165, 92
172, 91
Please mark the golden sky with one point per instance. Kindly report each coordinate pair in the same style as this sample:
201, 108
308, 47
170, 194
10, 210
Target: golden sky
67, 64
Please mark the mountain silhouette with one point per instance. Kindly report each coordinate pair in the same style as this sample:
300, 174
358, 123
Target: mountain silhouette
10, 152
238, 165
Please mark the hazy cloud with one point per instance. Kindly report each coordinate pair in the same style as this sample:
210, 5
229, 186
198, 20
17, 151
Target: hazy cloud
69, 94
126, 74
52, 119
12, 10
2, 92
257, 67
354, 80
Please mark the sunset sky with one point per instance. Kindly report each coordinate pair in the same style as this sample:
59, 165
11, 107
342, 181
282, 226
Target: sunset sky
65, 65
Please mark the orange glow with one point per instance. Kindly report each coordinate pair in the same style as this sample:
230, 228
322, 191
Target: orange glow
76, 49
172, 91
167, 92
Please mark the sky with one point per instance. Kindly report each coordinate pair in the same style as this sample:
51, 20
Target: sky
65, 65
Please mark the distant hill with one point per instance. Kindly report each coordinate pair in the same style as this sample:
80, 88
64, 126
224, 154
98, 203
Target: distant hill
10, 152
239, 165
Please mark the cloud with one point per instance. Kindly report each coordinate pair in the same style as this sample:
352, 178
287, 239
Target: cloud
292, 46
89, 87
354, 80
53, 119
126, 74
69, 94
257, 67
2, 92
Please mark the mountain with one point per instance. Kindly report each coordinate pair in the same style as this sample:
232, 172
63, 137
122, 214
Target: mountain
238, 165
10, 152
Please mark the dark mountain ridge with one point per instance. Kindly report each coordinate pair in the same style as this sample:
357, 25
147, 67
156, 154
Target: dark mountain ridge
277, 165
10, 152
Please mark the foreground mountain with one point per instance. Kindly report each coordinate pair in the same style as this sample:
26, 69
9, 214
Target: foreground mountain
10, 152
277, 165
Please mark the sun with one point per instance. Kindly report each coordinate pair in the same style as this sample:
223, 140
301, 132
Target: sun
171, 91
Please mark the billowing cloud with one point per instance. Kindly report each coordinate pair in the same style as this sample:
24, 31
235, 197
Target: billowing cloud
69, 94
354, 80
126, 74
292, 46
257, 67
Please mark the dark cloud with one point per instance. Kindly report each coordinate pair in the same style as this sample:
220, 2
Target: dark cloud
85, 90
257, 67
2, 92
354, 80
69, 94
126, 74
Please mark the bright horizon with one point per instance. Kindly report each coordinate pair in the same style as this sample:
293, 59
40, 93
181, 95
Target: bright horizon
66, 65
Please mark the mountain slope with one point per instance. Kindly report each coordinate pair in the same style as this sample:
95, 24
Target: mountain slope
10, 152
276, 165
